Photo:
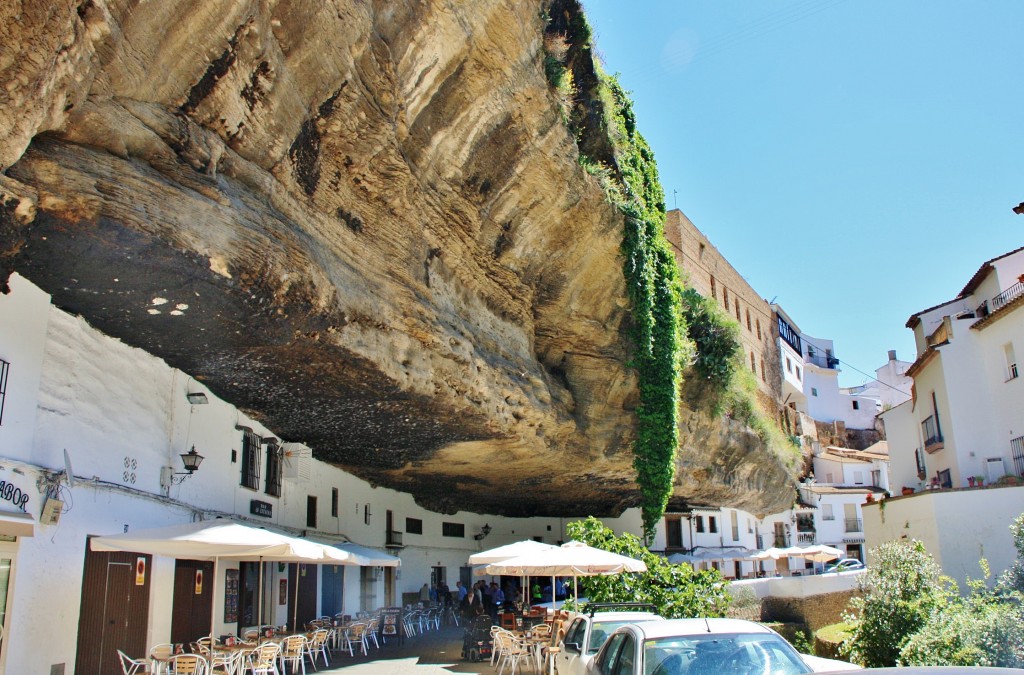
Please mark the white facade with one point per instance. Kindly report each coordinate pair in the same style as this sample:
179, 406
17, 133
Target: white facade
964, 425
123, 417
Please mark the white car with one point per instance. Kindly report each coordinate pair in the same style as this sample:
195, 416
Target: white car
588, 631
703, 647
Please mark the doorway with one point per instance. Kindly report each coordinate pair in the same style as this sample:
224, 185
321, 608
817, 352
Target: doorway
114, 613
193, 600
306, 610
332, 595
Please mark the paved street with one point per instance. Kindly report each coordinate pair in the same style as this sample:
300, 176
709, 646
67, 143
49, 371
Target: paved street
435, 652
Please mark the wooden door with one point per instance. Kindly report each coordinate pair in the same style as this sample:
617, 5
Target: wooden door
307, 594
332, 595
114, 610
193, 600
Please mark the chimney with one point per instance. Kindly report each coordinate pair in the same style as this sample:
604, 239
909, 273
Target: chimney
892, 354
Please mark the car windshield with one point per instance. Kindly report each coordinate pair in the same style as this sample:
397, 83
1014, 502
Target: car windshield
602, 629
721, 654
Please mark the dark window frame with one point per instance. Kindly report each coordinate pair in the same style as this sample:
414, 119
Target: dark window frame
414, 525
712, 524
457, 530
5, 368
698, 523
275, 469
334, 502
311, 511
251, 446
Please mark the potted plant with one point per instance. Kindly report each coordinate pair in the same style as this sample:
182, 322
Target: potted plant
980, 480
907, 490
970, 481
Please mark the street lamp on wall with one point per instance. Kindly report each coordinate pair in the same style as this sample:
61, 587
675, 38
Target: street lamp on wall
191, 460
484, 531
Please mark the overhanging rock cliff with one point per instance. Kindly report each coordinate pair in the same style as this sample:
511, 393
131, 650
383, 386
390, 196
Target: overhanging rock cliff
363, 223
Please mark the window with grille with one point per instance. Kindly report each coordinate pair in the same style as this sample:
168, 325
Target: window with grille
274, 469
453, 530
698, 522
251, 460
1017, 448
919, 457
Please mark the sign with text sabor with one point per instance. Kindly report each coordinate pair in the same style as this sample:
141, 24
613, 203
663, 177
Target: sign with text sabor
258, 508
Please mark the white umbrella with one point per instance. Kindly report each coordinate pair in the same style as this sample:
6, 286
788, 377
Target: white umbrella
507, 552
220, 539
368, 557
819, 553
571, 558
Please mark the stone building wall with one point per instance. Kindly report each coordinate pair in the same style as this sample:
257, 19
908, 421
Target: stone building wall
815, 611
708, 272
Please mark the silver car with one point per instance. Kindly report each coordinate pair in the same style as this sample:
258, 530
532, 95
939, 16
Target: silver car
700, 647
587, 632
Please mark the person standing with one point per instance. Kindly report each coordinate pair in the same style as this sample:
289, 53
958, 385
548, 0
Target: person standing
462, 591
425, 594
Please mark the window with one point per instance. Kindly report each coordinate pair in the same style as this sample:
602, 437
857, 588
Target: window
750, 526
700, 252
945, 479
919, 458
828, 477
856, 405
1011, 361
4, 367
758, 329
753, 362
814, 391
725, 298
713, 295
876, 477
712, 524
366, 514
810, 351
414, 526
748, 319
764, 372
858, 477
789, 365
453, 529
274, 456
735, 525
798, 374
310, 511
1017, 451
698, 522
737, 301
250, 460
334, 502
826, 512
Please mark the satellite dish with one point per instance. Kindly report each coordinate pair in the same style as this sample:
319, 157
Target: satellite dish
69, 474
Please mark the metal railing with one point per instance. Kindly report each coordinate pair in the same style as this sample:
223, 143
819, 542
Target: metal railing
1010, 294
394, 538
931, 431
854, 525
805, 537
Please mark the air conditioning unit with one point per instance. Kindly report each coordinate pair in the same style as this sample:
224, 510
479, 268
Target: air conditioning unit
52, 508
297, 462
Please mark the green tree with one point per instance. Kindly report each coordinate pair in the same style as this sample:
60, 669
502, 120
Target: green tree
901, 590
1013, 578
676, 591
984, 629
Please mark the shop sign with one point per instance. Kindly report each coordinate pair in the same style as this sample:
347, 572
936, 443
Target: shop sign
258, 508
12, 493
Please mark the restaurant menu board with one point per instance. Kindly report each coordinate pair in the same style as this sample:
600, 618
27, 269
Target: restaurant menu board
391, 622
230, 596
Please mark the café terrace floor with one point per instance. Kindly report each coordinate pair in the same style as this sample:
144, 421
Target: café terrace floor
436, 652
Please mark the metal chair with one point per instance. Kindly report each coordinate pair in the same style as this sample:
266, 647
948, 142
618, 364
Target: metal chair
188, 664
263, 659
130, 666
317, 644
293, 649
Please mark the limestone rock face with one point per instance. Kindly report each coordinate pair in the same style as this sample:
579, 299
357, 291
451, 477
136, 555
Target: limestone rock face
362, 222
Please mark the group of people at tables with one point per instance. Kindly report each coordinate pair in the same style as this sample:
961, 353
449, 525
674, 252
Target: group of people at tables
490, 598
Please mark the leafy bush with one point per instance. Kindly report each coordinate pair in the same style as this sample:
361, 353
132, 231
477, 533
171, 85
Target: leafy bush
1013, 578
901, 590
676, 591
978, 631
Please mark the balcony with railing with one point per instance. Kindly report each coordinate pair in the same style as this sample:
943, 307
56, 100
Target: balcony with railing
932, 435
805, 538
854, 525
394, 539
1006, 297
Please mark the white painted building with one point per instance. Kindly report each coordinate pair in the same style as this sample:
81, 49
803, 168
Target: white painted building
965, 423
124, 419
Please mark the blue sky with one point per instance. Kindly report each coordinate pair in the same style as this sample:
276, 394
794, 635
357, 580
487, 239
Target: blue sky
856, 159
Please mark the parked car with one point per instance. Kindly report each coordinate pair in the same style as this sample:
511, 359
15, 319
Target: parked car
703, 647
845, 565
588, 631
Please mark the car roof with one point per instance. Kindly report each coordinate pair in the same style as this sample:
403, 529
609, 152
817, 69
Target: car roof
624, 616
674, 627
